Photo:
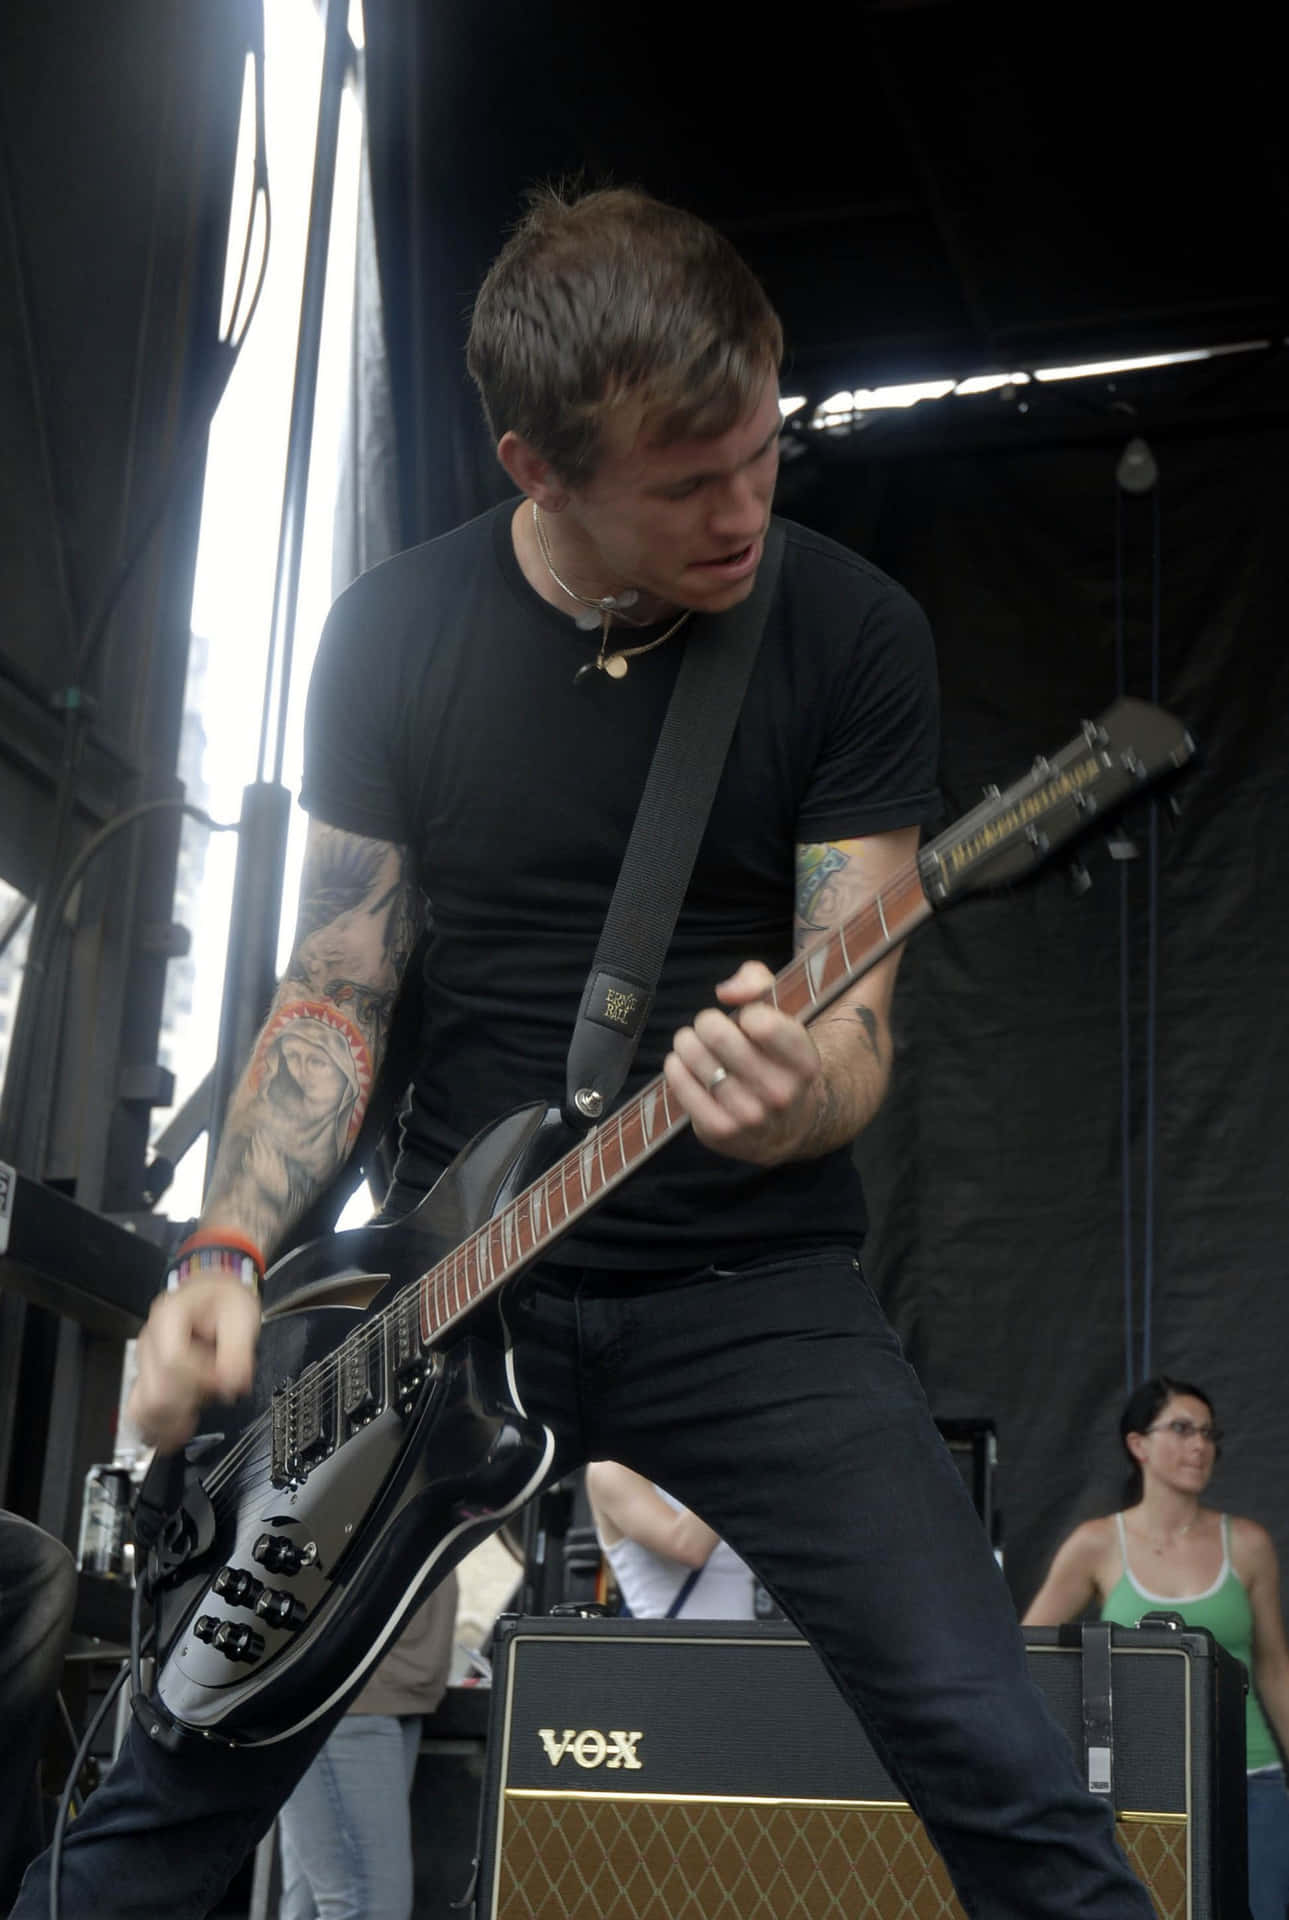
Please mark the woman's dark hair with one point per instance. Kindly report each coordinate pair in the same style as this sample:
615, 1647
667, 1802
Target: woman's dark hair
1143, 1408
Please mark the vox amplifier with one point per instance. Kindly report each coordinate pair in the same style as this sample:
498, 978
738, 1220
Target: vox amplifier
676, 1770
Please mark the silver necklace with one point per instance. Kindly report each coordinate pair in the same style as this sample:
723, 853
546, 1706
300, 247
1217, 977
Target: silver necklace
1160, 1549
615, 663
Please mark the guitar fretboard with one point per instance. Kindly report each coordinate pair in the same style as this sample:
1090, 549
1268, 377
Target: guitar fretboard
526, 1225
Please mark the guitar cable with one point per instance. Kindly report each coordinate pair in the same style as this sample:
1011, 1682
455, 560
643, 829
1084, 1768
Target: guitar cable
132, 1668
1137, 476
73, 1742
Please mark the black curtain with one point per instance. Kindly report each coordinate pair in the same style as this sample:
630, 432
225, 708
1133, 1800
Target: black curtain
429, 243
1056, 1215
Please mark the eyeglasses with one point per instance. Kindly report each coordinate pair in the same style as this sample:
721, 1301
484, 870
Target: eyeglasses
1188, 1430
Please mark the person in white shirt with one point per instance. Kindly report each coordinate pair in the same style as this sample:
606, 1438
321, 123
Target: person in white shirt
668, 1563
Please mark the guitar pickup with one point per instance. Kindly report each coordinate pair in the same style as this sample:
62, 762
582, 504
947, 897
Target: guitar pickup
315, 1418
362, 1385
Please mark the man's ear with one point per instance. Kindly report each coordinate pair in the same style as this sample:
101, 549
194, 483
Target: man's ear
531, 473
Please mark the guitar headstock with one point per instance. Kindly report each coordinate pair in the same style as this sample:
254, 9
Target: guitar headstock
1112, 760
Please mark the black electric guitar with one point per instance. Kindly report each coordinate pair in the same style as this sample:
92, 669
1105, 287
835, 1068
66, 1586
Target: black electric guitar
383, 1437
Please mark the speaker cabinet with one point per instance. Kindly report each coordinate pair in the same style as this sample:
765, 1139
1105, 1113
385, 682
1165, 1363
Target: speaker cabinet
680, 1770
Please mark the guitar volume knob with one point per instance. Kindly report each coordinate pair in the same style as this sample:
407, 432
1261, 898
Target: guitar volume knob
282, 1556
281, 1609
238, 1642
237, 1587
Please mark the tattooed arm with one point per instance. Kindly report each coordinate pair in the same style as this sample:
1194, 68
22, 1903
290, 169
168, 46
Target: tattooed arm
292, 1118
789, 1092
853, 1037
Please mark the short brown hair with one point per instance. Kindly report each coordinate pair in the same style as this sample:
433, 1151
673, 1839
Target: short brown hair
611, 296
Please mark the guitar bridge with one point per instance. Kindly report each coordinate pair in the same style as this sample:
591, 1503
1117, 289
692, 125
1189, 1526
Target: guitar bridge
305, 1417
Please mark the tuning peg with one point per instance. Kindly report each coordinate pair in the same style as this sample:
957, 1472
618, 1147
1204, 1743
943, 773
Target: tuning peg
1077, 878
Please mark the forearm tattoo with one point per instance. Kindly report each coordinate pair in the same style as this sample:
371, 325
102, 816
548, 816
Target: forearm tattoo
816, 867
356, 928
300, 1104
342, 872
830, 887
868, 1021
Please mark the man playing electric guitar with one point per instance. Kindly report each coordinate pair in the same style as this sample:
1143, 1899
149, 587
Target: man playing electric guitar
481, 721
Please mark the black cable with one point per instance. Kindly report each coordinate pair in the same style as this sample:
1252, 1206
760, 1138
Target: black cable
64, 1804
131, 1667
1152, 979
42, 947
232, 339
37, 962
193, 442
259, 188
1125, 1003
70, 1730
136, 1639
98, 841
170, 486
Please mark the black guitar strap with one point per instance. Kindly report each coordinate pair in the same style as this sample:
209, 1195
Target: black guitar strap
719, 654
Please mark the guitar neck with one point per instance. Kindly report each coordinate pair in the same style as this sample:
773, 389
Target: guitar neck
521, 1230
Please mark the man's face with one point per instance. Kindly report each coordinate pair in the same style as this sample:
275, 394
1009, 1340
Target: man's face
684, 522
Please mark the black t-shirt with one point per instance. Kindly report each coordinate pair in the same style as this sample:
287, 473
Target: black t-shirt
443, 716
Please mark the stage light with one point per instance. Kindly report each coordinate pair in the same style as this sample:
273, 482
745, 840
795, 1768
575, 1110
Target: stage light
990, 382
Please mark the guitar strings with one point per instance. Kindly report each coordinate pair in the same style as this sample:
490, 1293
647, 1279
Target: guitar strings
363, 1341
358, 1347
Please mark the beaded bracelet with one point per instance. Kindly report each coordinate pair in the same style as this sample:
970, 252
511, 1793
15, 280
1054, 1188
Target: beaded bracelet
213, 1252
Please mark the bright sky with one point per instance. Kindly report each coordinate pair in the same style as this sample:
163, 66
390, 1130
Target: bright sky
237, 552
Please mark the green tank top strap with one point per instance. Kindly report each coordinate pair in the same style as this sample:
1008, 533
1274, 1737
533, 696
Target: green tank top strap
1222, 1609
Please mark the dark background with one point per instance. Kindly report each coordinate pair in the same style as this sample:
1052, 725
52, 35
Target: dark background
1081, 1175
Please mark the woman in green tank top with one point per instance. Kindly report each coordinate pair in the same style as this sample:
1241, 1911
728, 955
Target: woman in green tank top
1168, 1550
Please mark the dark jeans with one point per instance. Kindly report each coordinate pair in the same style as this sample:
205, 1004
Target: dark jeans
775, 1401
1268, 1845
37, 1599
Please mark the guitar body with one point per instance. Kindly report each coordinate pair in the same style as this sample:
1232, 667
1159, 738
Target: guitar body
293, 1584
